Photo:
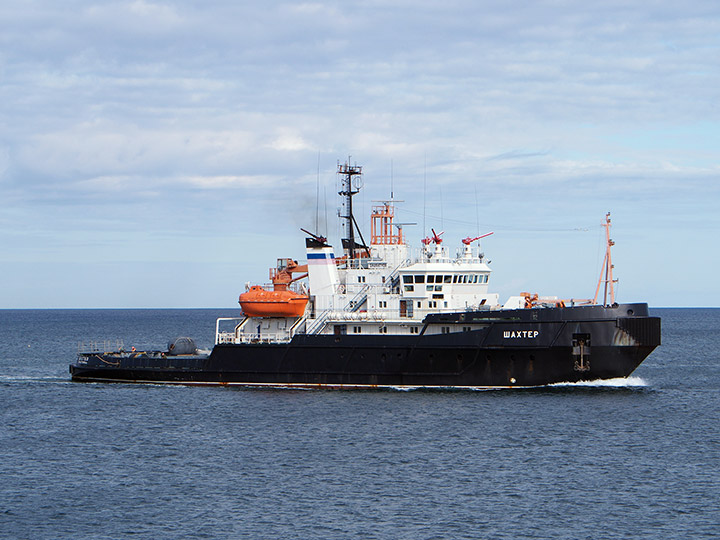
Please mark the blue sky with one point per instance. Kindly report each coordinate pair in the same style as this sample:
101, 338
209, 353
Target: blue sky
162, 154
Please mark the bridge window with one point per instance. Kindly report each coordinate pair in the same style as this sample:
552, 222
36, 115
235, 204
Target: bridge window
431, 279
407, 279
420, 279
447, 279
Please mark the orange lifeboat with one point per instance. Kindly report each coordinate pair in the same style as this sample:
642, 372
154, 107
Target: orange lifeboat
257, 302
281, 301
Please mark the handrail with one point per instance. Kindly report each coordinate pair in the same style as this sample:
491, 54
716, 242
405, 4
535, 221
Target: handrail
217, 327
396, 271
296, 324
318, 324
358, 299
106, 345
230, 337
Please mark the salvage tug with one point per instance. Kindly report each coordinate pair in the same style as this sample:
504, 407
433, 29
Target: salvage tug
381, 316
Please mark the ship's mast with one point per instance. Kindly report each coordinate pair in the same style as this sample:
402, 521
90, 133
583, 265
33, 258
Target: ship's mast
606, 273
351, 182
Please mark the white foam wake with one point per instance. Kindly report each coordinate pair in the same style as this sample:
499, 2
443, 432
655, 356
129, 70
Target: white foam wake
620, 382
32, 378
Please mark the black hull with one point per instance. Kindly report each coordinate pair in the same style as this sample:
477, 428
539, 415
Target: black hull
518, 348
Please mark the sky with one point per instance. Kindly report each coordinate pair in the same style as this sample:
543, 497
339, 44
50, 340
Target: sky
163, 154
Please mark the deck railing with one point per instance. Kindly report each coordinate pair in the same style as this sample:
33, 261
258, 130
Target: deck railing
105, 345
230, 337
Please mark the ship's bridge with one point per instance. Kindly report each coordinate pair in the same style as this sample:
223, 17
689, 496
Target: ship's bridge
441, 283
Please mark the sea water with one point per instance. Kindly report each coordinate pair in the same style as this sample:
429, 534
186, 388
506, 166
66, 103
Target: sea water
636, 458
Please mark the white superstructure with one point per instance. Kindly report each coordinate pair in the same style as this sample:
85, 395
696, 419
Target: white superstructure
383, 288
389, 291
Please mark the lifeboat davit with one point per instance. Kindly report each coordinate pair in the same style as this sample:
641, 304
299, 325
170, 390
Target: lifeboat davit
258, 302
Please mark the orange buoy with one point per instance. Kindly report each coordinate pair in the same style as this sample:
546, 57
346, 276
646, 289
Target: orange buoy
258, 302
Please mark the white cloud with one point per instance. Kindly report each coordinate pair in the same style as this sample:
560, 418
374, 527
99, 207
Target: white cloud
228, 181
135, 17
289, 139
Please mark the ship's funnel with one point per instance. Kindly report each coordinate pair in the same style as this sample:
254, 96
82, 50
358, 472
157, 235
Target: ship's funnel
322, 273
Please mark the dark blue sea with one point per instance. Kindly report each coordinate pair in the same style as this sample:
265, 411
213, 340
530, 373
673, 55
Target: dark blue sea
635, 459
